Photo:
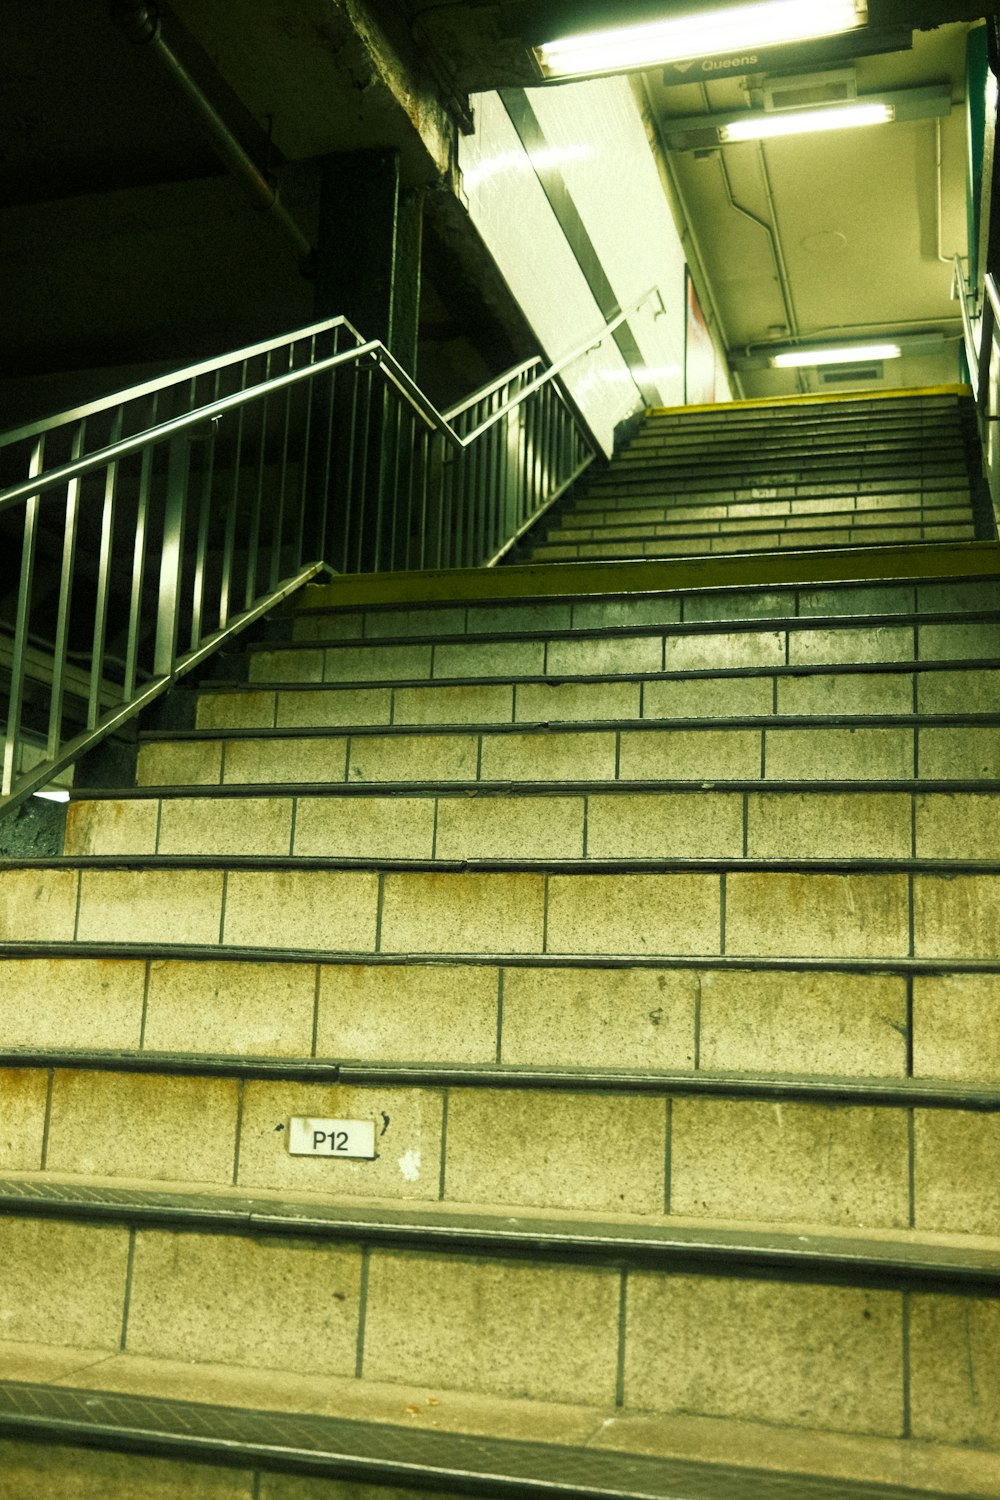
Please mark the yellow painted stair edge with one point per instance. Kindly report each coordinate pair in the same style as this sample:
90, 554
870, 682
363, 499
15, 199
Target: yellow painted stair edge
814, 398
648, 576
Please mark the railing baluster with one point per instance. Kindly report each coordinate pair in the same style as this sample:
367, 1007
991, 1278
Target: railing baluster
201, 551
171, 559
139, 565
305, 477
366, 377
277, 534
66, 571
253, 545
23, 623
103, 582
232, 510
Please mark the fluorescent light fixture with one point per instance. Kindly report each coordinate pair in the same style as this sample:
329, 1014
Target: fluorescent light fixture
856, 354
740, 29
806, 122
54, 796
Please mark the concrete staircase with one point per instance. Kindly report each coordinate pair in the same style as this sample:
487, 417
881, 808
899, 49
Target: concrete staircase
650, 913
821, 472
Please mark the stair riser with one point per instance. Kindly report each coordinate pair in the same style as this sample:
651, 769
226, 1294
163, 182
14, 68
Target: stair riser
896, 437
601, 613
803, 479
743, 913
825, 753
48, 1470
795, 645
668, 825
725, 503
965, 690
584, 527
809, 1023
831, 1357
845, 1165
699, 544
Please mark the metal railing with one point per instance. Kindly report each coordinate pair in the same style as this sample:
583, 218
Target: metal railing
142, 530
980, 325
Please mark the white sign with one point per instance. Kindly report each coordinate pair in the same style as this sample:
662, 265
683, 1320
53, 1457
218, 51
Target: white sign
309, 1137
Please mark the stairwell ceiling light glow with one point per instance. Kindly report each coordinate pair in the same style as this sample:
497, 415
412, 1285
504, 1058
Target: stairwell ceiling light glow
857, 354
806, 122
744, 28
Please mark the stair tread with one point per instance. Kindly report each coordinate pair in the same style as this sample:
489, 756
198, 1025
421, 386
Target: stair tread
795, 1245
518, 789
395, 1433
863, 1090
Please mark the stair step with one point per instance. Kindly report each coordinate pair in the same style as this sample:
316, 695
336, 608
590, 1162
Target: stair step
838, 500
812, 1351
761, 642
797, 1250
805, 478
935, 689
704, 521
403, 623
899, 435
256, 1014
240, 1416
431, 824
842, 1153
697, 544
574, 753
814, 911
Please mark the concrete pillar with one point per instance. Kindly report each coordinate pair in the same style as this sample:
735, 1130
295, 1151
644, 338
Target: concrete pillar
367, 262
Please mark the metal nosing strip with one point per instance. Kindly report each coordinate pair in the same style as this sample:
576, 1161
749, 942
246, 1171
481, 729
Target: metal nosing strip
924, 1094
506, 789
398, 1455
674, 628
594, 866
195, 953
740, 1253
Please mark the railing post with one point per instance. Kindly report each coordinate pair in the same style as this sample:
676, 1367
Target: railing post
171, 559
22, 626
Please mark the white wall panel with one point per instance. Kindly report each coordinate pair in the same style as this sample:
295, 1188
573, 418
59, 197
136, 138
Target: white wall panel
595, 137
513, 215
618, 193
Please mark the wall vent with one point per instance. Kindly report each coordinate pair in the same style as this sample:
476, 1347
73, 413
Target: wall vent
804, 89
851, 374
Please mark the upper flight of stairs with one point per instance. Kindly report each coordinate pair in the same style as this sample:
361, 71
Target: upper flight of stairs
651, 912
814, 474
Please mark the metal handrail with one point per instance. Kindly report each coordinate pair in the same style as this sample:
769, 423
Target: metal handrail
150, 436
188, 519
980, 321
490, 389
961, 291
175, 377
436, 420
567, 359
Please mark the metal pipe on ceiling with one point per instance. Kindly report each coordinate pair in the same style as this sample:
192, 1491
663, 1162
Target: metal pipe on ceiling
771, 230
946, 260
140, 22
682, 214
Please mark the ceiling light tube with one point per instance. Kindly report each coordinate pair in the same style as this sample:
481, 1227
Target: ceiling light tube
732, 31
854, 354
805, 122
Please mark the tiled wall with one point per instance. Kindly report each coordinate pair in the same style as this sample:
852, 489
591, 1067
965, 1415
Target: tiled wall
596, 141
